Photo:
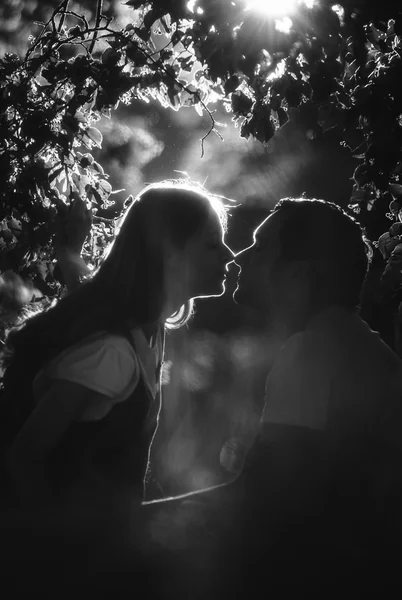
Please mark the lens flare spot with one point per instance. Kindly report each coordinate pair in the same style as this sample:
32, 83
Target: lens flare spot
283, 25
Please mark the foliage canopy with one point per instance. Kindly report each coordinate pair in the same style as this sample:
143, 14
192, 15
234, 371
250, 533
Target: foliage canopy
343, 61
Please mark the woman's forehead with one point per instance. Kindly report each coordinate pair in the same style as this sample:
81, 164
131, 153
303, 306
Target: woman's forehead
213, 226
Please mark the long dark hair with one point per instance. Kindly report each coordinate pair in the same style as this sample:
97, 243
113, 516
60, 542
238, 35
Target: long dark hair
129, 285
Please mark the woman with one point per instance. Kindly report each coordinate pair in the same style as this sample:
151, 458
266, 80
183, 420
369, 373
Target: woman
95, 357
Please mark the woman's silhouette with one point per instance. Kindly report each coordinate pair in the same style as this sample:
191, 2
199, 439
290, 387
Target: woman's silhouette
84, 418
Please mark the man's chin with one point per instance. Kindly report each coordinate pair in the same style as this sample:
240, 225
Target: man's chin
239, 297
246, 299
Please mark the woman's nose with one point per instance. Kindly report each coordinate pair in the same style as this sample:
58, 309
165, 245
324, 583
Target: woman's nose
238, 258
229, 254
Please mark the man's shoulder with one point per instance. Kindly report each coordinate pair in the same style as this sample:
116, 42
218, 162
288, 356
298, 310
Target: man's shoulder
346, 335
371, 350
291, 351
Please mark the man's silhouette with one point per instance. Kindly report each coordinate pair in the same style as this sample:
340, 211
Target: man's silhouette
317, 501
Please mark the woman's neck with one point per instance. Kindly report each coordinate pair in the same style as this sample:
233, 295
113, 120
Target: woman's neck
171, 308
150, 330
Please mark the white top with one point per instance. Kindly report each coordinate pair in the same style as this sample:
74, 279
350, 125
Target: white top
105, 363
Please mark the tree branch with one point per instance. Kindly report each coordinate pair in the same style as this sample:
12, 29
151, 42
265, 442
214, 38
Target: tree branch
62, 9
194, 93
97, 23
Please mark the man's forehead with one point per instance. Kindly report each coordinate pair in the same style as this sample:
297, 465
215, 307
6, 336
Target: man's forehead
268, 231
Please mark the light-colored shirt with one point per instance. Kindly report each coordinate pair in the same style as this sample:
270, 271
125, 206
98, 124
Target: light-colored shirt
337, 376
106, 363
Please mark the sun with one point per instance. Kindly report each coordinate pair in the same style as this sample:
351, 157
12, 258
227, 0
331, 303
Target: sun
276, 8
273, 8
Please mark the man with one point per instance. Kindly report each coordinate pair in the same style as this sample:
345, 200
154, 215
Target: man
333, 414
305, 273
319, 496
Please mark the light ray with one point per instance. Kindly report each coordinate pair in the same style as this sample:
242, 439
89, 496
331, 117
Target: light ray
277, 8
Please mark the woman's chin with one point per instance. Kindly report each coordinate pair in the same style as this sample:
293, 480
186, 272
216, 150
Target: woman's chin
221, 288
213, 292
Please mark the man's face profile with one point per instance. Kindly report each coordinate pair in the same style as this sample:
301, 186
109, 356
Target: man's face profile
256, 284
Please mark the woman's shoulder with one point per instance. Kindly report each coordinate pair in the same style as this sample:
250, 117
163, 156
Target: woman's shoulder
101, 347
105, 362
114, 340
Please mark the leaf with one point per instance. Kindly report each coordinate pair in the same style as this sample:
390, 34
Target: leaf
187, 63
395, 206
15, 226
143, 33
231, 84
262, 128
361, 175
245, 130
150, 18
110, 56
85, 160
174, 97
135, 3
177, 36
241, 104
398, 25
56, 173
42, 81
104, 189
128, 201
97, 167
386, 244
282, 116
199, 108
396, 189
165, 24
95, 136
189, 96
80, 181
94, 197
395, 229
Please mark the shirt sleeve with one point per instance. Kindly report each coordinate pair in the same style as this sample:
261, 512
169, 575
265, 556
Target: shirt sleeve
107, 365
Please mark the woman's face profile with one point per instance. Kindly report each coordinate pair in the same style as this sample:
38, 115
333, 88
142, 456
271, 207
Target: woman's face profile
205, 260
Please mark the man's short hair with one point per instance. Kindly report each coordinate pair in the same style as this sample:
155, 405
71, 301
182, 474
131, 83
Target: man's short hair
317, 230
